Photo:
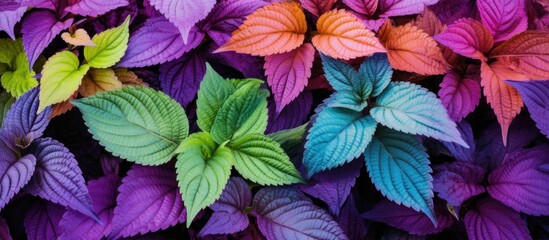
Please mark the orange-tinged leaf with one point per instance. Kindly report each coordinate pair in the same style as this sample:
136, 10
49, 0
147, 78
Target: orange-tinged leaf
99, 80
127, 77
429, 23
342, 35
79, 38
62, 107
274, 28
411, 49
527, 52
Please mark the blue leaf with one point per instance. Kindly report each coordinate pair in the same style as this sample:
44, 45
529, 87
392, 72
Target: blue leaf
338, 136
410, 108
22, 119
399, 167
459, 152
378, 71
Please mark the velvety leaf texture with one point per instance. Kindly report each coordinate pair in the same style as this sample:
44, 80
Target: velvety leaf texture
22, 119
284, 213
42, 220
457, 181
181, 78
535, 94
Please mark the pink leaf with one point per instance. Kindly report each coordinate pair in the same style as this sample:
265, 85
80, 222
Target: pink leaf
467, 37
393, 8
318, 7
367, 7
504, 18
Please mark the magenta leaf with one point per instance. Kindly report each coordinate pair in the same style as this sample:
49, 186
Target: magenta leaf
75, 225
8, 19
229, 210
58, 177
459, 95
284, 213
367, 7
448, 11
504, 18
459, 152
319, 7
149, 201
467, 37
10, 5
39, 29
22, 119
14, 175
94, 8
288, 73
42, 220
393, 8
293, 115
158, 41
181, 78
535, 95
408, 219
457, 181
184, 14
492, 220
4, 230
350, 221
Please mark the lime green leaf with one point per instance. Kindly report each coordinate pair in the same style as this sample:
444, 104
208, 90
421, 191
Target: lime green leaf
136, 123
203, 169
214, 90
19, 80
9, 50
110, 46
262, 160
61, 77
5, 103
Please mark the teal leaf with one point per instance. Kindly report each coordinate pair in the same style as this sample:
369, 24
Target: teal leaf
338, 136
399, 167
410, 108
378, 71
136, 123
214, 90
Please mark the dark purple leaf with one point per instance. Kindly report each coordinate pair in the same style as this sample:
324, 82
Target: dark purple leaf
115, 18
22, 119
149, 201
395, 234
42, 220
350, 221
110, 164
94, 8
459, 152
250, 66
181, 78
4, 230
535, 95
58, 177
293, 115
8, 19
449, 11
284, 213
15, 176
457, 181
9, 5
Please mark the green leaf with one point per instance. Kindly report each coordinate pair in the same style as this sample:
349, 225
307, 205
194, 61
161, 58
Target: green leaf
5, 103
19, 80
110, 46
244, 112
260, 159
290, 141
139, 124
214, 91
399, 167
9, 50
203, 169
61, 77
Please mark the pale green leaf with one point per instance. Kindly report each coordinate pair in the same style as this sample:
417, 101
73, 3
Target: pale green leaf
110, 46
19, 80
214, 90
139, 124
6, 101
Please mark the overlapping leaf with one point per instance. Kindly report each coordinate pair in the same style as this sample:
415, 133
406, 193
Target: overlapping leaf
458, 181
467, 37
98, 80
42, 219
504, 18
459, 95
110, 46
535, 94
94, 8
181, 78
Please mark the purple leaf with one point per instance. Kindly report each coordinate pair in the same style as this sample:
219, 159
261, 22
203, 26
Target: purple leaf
535, 95
520, 184
292, 115
94, 8
319, 7
351, 222
149, 201
115, 18
184, 14
229, 210
459, 152
103, 192
4, 230
250, 66
42, 220
492, 220
467, 37
459, 95
39, 29
10, 5
181, 78
110, 164
158, 41
367, 7
333, 186
504, 18
448, 11
8, 19
14, 174
284, 213
408, 219
393, 8
457, 181
22, 119
58, 177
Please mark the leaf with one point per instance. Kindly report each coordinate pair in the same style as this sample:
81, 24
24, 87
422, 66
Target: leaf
39, 29
244, 112
348, 39
213, 92
94, 8
203, 169
61, 77
293, 115
58, 178
284, 213
21, 79
79, 38
8, 19
459, 95
534, 94
490, 219
338, 136
430, 23
290, 141
459, 152
350, 221
262, 160
181, 78
184, 14
504, 18
393, 8
411, 49
128, 77
149, 201
6, 101
365, 7
22, 120
274, 28
110, 46
158, 41
98, 80
527, 53
14, 175
317, 7
468, 38
42, 220
398, 166
136, 123
10, 50
377, 70
229, 210
4, 230
458, 181
103, 192
519, 182
410, 108
449, 11
288, 73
